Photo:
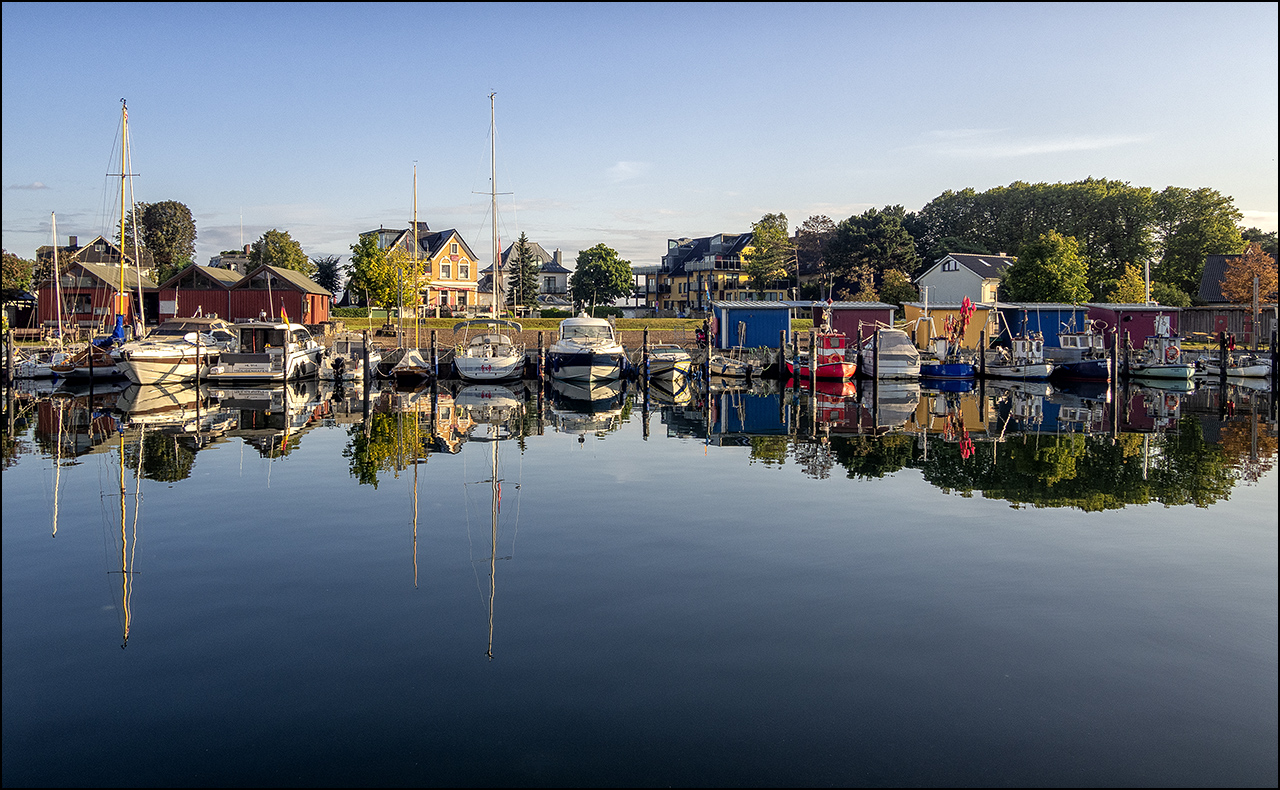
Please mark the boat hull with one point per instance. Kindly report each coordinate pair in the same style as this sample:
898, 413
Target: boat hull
266, 367
1083, 370
1034, 371
829, 370
946, 370
1178, 372
494, 368
165, 368
586, 365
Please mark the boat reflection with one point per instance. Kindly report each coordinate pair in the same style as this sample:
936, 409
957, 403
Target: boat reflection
587, 407
272, 417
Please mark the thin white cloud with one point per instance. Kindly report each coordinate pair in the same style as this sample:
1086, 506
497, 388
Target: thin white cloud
1263, 220
32, 185
992, 144
625, 171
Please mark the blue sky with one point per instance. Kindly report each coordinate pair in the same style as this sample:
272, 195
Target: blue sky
619, 124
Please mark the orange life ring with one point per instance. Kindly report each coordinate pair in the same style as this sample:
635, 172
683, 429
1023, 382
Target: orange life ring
1170, 353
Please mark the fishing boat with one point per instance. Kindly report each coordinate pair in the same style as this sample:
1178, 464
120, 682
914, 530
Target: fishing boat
1024, 359
1081, 355
490, 355
269, 351
587, 349
943, 359
178, 350
1240, 365
832, 361
1161, 356
350, 358
889, 354
668, 361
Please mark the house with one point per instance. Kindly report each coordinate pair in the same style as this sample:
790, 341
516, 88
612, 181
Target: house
99, 251
198, 290
749, 324
278, 292
696, 272
450, 270
1217, 314
956, 275
89, 294
235, 260
1138, 321
553, 277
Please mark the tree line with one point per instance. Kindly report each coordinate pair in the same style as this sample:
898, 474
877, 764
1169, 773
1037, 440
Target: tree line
1080, 241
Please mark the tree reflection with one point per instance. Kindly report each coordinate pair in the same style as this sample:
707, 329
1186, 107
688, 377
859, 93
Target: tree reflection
166, 459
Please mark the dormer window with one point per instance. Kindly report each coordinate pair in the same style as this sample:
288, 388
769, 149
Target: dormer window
950, 266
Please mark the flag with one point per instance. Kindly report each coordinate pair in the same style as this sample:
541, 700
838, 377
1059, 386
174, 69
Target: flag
284, 317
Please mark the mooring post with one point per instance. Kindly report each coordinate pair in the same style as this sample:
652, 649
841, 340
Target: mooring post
542, 371
435, 356
644, 357
813, 360
11, 350
1128, 355
782, 355
1222, 360
982, 354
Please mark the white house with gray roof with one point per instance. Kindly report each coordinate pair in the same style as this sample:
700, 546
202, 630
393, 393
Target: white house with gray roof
956, 275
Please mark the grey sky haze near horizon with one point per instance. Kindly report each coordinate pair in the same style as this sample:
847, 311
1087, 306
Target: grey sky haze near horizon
619, 124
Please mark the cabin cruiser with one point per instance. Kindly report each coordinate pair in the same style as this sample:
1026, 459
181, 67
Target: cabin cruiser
490, 355
889, 354
269, 351
178, 350
351, 358
587, 349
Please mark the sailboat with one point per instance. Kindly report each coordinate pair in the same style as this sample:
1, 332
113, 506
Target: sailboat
96, 360
40, 366
490, 355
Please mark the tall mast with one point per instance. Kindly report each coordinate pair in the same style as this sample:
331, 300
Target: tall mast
416, 344
124, 174
57, 275
493, 207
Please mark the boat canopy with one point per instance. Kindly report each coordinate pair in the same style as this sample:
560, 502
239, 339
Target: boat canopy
487, 322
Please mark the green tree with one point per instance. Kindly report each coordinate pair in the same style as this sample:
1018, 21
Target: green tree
277, 248
166, 230
1129, 289
328, 271
866, 246
770, 254
600, 277
896, 287
811, 242
1049, 269
1265, 240
16, 272
524, 268
1168, 295
1192, 224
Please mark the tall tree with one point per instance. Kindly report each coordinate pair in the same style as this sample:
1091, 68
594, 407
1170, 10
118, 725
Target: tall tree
523, 267
165, 229
17, 272
277, 248
328, 271
1266, 240
1237, 280
868, 245
811, 244
1128, 289
1192, 224
600, 277
1049, 269
369, 273
771, 252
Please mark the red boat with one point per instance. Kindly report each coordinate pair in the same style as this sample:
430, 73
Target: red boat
832, 361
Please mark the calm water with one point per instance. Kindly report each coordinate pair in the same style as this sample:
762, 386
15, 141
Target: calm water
677, 595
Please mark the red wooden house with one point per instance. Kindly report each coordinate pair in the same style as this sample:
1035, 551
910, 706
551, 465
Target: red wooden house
198, 290
89, 296
276, 293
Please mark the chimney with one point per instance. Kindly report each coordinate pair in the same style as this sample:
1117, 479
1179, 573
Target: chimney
247, 248
559, 259
73, 242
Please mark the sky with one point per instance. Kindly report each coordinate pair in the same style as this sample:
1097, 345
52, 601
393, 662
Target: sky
622, 124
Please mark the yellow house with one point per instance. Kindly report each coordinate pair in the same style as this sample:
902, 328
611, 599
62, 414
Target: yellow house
695, 272
450, 270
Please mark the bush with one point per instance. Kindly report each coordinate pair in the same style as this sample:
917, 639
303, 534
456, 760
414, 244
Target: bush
349, 312
554, 313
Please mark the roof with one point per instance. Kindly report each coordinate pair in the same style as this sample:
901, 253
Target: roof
1037, 306
848, 305
1133, 308
224, 277
1215, 270
985, 266
111, 274
747, 305
295, 278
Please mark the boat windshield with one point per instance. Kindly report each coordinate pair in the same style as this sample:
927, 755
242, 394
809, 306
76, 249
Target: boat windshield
586, 333
260, 339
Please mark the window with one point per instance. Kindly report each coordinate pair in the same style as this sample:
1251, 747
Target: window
950, 266
453, 248
446, 271
464, 271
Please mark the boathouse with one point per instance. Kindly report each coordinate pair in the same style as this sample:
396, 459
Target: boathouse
923, 324
89, 295
855, 319
198, 290
750, 324
1049, 319
275, 291
1138, 320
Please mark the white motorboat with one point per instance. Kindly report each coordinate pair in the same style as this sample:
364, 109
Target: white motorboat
1245, 366
1023, 360
490, 355
889, 354
178, 350
667, 361
269, 351
587, 349
350, 358
1161, 356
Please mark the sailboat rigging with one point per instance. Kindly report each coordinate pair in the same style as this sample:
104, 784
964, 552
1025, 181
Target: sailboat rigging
490, 355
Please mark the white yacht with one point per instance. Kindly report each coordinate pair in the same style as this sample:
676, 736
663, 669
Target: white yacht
269, 351
587, 349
